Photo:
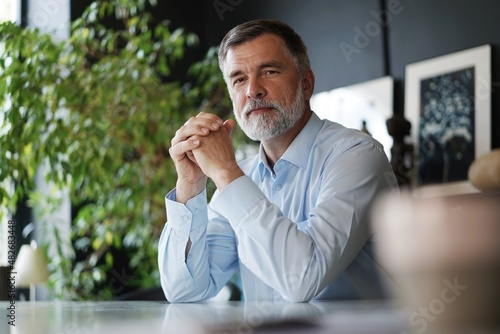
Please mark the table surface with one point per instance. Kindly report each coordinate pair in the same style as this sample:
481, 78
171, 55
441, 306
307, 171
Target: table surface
215, 317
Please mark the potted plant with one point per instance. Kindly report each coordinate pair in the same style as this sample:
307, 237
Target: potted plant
98, 111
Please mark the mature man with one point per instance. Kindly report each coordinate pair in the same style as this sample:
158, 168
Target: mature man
294, 218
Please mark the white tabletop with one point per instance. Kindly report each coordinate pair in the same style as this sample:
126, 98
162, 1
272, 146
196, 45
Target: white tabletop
215, 317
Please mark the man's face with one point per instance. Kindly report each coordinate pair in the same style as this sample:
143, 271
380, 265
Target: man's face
267, 91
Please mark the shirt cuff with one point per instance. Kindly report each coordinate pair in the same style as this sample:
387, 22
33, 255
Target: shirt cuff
189, 219
237, 199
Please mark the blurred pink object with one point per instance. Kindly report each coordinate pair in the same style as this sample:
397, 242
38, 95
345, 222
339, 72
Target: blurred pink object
443, 254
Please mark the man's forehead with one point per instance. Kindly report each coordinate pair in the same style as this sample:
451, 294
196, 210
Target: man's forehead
265, 48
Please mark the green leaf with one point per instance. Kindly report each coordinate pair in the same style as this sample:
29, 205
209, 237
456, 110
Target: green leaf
109, 259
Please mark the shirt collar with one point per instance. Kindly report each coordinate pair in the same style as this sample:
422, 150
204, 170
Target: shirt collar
298, 151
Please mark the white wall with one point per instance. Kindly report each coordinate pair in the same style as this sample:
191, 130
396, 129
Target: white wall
50, 16
10, 10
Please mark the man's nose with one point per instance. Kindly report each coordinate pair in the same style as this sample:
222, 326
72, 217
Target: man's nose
255, 89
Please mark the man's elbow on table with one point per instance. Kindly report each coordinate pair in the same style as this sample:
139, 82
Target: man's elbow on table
180, 297
187, 293
296, 299
298, 294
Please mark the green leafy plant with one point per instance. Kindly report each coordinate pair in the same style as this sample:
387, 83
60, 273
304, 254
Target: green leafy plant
97, 112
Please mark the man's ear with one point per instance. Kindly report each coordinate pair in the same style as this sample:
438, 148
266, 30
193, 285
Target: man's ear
308, 84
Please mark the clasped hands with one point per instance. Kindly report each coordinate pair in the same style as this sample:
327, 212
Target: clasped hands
202, 148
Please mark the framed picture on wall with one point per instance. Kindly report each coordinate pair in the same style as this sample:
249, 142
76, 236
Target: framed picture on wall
448, 102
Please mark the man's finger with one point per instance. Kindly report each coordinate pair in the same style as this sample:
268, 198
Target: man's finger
199, 125
179, 150
211, 117
191, 157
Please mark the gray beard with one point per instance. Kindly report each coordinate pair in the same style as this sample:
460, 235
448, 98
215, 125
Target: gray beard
268, 126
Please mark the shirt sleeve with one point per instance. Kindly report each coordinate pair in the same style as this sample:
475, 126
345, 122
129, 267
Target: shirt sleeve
212, 259
299, 259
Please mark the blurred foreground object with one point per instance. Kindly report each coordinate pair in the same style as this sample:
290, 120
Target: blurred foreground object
484, 172
443, 254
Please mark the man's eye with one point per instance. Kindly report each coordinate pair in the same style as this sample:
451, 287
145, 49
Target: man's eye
238, 80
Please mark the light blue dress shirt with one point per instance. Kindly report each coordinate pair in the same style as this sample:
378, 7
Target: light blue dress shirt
296, 233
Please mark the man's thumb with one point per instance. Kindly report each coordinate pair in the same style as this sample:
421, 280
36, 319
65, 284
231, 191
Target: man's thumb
230, 124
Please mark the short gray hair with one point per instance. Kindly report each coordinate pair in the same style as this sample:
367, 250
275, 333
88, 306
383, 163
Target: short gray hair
245, 32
